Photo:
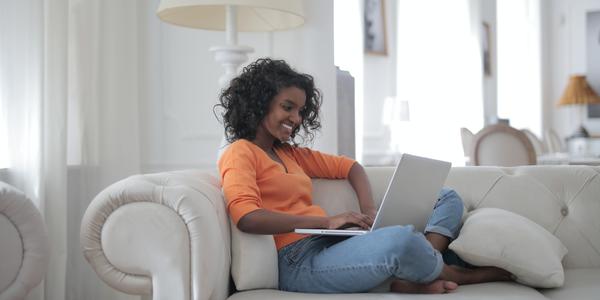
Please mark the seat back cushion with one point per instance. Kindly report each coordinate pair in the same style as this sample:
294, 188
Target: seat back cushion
253, 261
562, 199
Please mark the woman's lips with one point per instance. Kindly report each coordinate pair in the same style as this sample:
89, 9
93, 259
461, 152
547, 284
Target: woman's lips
288, 131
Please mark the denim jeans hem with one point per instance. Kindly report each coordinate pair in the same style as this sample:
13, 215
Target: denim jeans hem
441, 230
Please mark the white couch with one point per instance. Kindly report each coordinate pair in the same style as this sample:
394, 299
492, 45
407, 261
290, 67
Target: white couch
24, 248
168, 234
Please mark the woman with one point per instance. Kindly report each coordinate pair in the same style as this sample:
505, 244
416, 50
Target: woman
266, 180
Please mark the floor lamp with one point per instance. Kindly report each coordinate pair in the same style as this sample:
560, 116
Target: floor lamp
232, 16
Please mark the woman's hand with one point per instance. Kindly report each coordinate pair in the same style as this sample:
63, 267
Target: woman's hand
371, 213
349, 219
360, 183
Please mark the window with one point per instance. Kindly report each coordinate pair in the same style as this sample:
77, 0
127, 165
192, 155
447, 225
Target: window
439, 74
519, 64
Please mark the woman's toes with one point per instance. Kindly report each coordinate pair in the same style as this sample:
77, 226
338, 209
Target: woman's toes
450, 285
435, 287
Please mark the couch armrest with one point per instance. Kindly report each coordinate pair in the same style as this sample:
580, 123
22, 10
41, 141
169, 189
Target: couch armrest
24, 248
164, 234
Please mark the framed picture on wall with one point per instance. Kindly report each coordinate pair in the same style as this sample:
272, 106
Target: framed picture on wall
374, 27
485, 49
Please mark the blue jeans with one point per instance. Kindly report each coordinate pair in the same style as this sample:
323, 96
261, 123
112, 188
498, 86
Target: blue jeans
331, 264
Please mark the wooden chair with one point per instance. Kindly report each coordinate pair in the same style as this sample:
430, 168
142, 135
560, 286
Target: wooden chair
553, 142
538, 145
502, 145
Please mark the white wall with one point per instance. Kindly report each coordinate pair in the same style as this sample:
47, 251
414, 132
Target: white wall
379, 83
567, 51
179, 128
487, 10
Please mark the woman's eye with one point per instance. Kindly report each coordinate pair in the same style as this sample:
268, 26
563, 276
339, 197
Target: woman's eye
287, 108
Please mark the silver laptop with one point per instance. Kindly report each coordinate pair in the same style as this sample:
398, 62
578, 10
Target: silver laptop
414, 186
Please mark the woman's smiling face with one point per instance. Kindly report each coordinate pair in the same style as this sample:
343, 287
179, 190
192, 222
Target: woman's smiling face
284, 115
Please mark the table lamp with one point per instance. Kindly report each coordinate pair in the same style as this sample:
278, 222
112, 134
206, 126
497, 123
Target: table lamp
232, 16
578, 92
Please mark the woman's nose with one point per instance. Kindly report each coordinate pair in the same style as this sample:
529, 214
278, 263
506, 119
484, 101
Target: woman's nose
296, 118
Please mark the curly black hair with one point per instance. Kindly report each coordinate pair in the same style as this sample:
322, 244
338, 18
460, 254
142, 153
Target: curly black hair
246, 101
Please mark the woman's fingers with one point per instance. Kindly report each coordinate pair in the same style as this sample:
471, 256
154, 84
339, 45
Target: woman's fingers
351, 218
367, 219
360, 220
370, 220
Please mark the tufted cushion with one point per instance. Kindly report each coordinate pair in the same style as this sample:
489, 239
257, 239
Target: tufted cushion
484, 291
499, 238
562, 199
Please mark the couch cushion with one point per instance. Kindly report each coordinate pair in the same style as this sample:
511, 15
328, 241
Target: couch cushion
253, 261
254, 257
562, 199
491, 291
580, 284
500, 238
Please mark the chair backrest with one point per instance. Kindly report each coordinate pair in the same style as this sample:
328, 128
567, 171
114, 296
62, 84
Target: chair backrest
553, 141
538, 145
502, 145
466, 137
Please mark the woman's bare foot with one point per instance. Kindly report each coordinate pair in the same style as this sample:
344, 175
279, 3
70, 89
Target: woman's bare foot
436, 287
476, 275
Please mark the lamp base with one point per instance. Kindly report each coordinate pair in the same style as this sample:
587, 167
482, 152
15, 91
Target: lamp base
580, 132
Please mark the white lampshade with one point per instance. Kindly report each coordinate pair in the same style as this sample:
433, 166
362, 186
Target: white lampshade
252, 15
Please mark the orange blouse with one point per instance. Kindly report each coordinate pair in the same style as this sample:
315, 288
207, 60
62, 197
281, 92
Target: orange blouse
252, 180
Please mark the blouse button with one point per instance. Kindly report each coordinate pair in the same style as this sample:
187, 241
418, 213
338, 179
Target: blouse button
564, 211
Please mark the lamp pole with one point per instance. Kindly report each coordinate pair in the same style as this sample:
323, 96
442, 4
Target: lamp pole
232, 55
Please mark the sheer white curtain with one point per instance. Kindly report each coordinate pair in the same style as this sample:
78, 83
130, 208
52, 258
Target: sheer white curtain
520, 61
439, 74
103, 84
32, 97
69, 86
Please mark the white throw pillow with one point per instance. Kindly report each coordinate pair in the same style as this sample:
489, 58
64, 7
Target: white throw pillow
254, 263
500, 238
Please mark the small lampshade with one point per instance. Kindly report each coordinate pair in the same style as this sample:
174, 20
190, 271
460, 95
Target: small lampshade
252, 15
579, 92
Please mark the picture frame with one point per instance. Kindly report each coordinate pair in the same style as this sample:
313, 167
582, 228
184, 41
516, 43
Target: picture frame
375, 35
486, 49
